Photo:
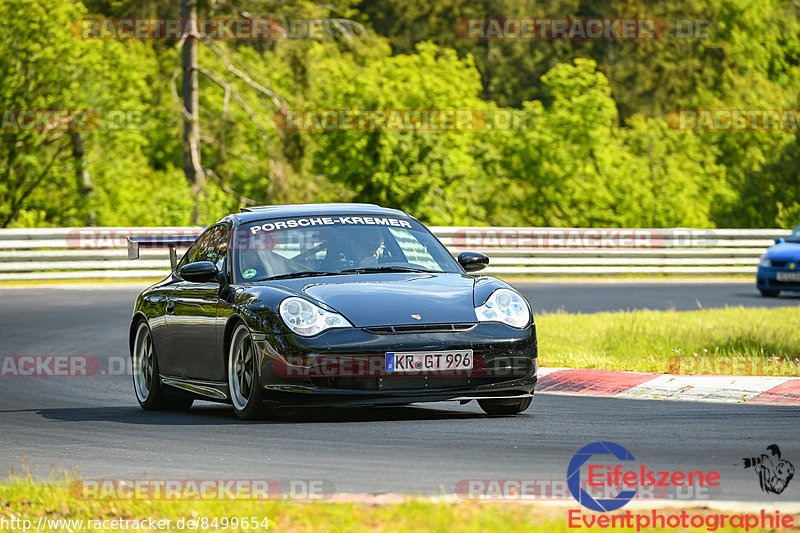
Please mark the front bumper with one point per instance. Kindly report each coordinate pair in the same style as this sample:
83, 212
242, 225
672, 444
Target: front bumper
767, 279
347, 366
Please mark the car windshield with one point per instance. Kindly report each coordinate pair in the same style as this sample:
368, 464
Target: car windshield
319, 246
795, 236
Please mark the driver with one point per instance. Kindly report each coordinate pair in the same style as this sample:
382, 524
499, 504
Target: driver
366, 246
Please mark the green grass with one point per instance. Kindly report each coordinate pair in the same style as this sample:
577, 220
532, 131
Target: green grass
30, 500
738, 340
26, 499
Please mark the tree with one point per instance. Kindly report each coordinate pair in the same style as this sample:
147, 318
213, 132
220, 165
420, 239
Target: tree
192, 165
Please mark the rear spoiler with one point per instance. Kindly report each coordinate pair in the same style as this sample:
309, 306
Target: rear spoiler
171, 241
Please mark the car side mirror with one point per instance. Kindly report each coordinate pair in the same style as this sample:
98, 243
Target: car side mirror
199, 272
473, 261
779, 240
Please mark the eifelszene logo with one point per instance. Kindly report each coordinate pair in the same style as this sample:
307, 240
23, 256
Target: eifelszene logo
774, 473
574, 477
620, 480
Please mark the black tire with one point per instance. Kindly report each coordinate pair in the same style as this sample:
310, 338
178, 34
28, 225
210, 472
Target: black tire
150, 393
244, 383
504, 407
769, 293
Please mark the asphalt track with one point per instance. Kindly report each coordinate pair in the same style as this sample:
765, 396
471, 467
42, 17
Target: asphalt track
94, 425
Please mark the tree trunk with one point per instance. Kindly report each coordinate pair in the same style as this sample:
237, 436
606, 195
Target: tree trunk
83, 181
192, 167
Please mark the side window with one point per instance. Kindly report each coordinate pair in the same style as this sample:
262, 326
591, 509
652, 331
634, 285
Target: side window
195, 250
211, 245
217, 247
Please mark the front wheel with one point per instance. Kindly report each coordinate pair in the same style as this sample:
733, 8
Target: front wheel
243, 382
151, 395
505, 407
769, 293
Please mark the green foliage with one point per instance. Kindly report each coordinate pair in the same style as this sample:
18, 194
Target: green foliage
38, 72
582, 169
742, 54
594, 148
424, 172
46, 68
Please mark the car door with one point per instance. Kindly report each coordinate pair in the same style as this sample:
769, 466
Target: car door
192, 312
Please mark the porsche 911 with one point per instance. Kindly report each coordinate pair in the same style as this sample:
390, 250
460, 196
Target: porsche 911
328, 305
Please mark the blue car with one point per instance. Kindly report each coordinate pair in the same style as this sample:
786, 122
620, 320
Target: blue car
779, 267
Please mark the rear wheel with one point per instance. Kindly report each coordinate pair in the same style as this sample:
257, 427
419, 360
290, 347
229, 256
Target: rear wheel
150, 393
769, 293
243, 382
505, 407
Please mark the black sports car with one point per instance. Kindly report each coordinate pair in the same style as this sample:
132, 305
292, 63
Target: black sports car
328, 304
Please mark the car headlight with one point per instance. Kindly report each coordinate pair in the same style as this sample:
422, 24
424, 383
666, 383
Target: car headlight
764, 261
307, 319
505, 306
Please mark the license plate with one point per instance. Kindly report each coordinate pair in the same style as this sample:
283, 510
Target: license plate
420, 362
788, 276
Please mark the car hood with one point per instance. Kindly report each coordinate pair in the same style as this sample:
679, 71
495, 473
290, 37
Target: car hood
785, 251
394, 298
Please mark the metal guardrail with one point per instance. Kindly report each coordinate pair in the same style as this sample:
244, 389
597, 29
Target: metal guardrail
100, 253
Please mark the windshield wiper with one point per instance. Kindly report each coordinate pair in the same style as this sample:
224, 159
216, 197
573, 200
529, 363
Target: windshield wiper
303, 274
388, 269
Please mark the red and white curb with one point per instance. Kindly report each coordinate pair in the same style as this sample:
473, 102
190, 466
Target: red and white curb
649, 386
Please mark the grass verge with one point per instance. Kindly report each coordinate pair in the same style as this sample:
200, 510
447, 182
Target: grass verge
737, 340
50, 505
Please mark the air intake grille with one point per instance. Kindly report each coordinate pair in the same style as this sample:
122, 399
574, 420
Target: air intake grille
419, 328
